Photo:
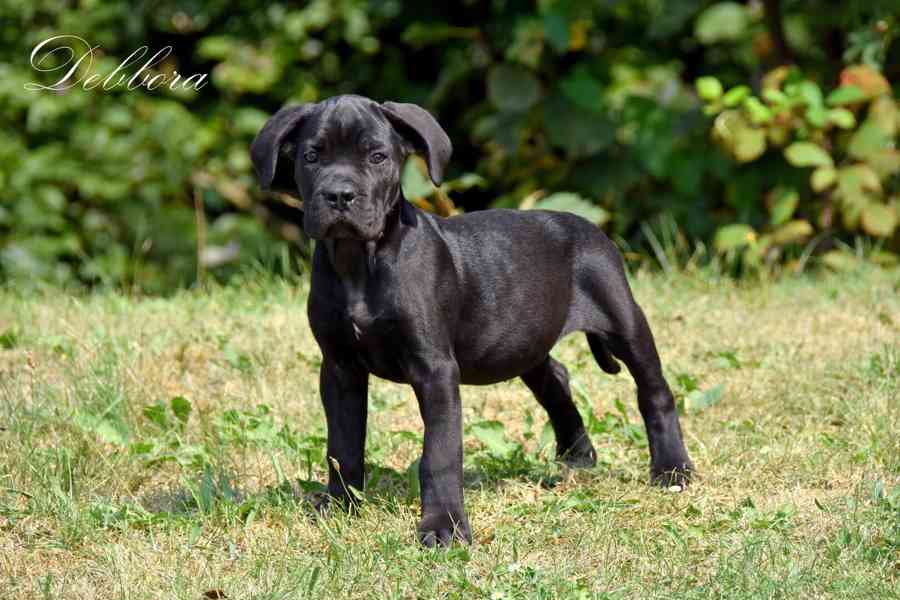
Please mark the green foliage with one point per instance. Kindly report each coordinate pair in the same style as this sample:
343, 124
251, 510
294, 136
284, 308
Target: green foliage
842, 147
593, 100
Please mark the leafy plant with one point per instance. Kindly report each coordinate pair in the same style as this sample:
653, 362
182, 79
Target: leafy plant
167, 442
841, 144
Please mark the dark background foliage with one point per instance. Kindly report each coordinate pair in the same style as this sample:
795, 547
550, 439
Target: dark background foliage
583, 106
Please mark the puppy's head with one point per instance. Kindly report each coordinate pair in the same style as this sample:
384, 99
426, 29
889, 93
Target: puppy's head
344, 156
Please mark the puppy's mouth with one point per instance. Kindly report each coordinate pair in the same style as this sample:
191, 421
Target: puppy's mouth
343, 231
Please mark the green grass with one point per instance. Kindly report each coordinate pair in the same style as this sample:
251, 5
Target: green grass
163, 448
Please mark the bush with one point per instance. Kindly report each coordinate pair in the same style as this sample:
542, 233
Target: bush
585, 106
842, 147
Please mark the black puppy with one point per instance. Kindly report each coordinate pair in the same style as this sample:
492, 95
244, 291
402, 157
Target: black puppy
473, 299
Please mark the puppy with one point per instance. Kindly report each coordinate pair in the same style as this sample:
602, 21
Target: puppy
436, 302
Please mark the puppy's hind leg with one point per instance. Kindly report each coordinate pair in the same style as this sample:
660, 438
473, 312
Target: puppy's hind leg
633, 344
549, 382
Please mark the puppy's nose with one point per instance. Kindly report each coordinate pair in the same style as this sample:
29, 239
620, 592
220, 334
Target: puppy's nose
340, 198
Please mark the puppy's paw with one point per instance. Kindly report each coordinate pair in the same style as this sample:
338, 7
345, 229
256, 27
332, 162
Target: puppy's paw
442, 529
672, 476
324, 504
580, 455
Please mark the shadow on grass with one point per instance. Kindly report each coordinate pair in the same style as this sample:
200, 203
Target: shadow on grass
219, 494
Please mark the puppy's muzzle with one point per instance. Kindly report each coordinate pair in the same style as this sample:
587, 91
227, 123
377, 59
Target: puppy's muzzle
339, 198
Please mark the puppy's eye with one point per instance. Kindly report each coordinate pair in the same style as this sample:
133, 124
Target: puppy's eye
377, 157
311, 156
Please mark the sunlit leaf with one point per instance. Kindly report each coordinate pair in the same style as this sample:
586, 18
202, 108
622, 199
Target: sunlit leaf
807, 154
885, 163
731, 237
735, 96
823, 178
879, 219
759, 113
414, 180
573, 203
709, 88
869, 139
722, 22
885, 113
842, 118
792, 232
845, 95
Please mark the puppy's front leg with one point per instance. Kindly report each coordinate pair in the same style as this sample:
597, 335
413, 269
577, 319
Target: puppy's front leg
440, 469
344, 390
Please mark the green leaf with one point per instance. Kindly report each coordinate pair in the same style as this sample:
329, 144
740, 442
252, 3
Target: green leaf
792, 232
414, 181
810, 93
699, 400
583, 89
493, 436
9, 339
885, 112
759, 113
774, 96
709, 88
573, 203
745, 142
512, 88
869, 139
841, 117
817, 116
864, 176
783, 205
879, 219
885, 163
749, 145
731, 237
181, 408
108, 428
112, 432
556, 31
807, 154
463, 182
823, 178
722, 22
846, 94
156, 413
216, 47
736, 95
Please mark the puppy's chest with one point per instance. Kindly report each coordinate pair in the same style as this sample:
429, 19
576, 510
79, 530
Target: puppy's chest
367, 322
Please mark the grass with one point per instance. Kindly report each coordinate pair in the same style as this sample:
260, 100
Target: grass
163, 448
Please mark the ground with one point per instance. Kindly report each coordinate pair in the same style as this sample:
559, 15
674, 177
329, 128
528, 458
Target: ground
164, 448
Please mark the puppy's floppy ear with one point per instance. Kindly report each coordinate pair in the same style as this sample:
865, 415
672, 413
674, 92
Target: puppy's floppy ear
419, 127
273, 153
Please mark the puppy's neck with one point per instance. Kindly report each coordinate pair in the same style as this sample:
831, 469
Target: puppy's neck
349, 258
355, 261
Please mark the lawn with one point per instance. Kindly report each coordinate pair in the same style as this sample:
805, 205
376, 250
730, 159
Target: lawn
164, 448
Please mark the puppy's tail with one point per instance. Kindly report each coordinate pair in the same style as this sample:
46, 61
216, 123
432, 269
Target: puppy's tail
602, 355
